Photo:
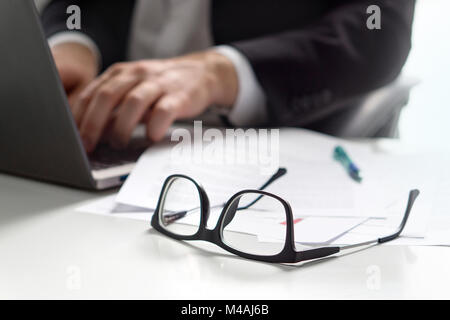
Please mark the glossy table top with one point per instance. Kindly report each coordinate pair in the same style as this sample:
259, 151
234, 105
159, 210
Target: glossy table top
48, 250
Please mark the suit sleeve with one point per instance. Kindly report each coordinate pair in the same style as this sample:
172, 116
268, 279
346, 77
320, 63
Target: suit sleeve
309, 73
106, 23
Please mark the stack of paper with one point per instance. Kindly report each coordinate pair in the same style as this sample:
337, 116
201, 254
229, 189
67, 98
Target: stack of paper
328, 206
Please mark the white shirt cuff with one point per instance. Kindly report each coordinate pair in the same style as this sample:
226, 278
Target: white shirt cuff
76, 37
250, 107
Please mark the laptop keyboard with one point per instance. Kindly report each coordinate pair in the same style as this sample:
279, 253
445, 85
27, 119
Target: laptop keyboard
105, 157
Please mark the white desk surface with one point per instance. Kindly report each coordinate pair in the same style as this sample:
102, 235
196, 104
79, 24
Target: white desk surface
48, 250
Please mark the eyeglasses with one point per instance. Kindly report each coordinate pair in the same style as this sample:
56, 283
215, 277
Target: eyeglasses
183, 211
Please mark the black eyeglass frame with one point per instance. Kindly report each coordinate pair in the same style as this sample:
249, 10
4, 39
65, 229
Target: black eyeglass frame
288, 254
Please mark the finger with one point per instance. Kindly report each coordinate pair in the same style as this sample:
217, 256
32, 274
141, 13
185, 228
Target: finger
132, 110
83, 100
163, 115
101, 106
85, 97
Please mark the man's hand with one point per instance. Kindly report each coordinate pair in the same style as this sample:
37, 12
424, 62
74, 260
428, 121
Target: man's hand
77, 67
156, 92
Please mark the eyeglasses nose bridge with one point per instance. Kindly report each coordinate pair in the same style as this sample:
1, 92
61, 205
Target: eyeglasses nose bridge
210, 235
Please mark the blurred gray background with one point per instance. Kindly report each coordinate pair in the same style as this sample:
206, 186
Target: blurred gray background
425, 122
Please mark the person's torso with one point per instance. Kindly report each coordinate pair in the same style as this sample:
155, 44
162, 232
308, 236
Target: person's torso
166, 28
236, 20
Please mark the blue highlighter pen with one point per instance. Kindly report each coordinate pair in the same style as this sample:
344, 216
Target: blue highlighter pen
341, 156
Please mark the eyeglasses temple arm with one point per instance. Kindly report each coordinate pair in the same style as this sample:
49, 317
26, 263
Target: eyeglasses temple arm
281, 172
412, 199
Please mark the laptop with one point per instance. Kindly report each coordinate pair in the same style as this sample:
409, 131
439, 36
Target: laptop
38, 136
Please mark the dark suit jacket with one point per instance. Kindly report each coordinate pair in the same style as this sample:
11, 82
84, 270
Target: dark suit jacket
312, 57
